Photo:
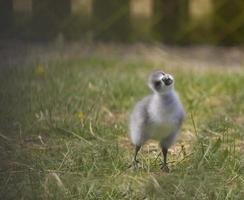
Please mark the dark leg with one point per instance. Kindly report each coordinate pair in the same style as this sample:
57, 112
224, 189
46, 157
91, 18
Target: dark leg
136, 151
135, 161
164, 165
165, 151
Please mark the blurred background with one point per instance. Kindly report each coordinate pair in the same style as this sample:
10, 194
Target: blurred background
215, 22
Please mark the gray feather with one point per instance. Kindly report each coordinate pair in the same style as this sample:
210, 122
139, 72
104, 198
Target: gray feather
159, 115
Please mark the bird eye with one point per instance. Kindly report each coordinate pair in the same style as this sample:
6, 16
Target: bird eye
157, 83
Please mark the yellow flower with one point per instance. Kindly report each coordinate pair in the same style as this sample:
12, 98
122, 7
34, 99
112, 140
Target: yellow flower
40, 70
81, 116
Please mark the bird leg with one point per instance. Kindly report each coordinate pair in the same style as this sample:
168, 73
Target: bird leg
135, 161
164, 166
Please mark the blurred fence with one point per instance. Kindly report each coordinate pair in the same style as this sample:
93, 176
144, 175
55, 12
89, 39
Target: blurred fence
169, 21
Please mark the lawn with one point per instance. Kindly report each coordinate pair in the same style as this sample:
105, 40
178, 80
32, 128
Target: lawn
64, 132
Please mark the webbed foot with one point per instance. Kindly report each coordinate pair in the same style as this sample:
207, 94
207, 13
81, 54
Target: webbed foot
134, 164
164, 167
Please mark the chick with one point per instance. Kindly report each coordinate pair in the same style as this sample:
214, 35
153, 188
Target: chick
157, 116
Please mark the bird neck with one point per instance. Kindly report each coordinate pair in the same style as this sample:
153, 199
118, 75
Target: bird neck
165, 94
166, 98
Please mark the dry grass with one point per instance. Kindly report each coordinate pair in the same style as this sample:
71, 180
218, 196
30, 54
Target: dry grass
63, 129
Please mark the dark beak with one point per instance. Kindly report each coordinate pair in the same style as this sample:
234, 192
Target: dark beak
168, 81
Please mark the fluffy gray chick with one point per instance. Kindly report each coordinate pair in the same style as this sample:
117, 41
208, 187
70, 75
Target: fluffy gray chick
157, 116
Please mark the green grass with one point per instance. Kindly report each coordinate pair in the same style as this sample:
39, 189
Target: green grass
64, 134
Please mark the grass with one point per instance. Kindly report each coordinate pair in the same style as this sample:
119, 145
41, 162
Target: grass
64, 134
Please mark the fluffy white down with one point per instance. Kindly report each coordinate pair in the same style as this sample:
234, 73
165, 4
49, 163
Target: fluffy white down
158, 117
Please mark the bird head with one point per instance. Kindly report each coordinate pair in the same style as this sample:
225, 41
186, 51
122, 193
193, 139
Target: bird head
160, 82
